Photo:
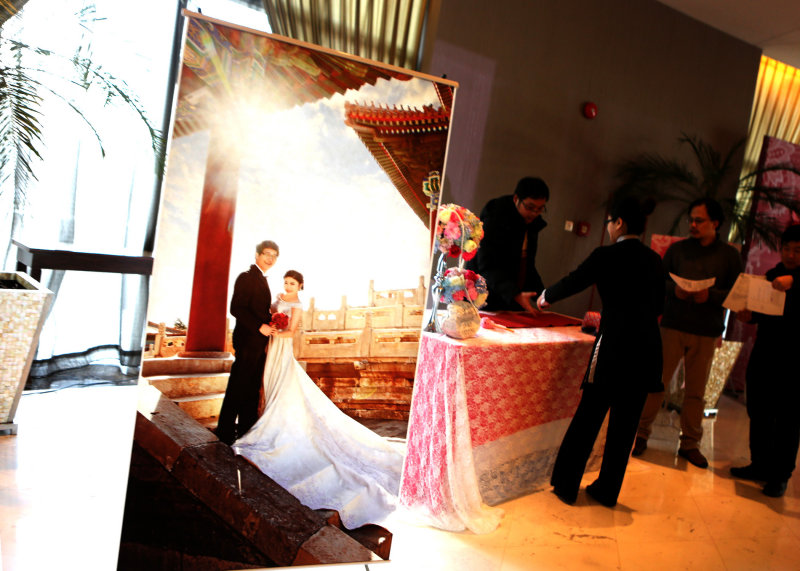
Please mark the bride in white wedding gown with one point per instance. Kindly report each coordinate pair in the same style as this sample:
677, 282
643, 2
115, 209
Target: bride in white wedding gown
307, 445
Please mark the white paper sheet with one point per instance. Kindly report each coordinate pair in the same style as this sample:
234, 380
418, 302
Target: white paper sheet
737, 296
756, 294
692, 285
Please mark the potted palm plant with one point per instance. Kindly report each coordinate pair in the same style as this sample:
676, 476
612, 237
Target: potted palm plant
23, 307
30, 75
713, 175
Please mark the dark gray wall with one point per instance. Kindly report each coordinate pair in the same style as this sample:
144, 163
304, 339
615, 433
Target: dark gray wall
526, 68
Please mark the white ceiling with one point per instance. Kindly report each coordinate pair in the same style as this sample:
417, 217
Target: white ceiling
772, 25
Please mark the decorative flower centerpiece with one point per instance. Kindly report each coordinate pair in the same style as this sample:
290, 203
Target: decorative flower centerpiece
464, 292
280, 320
458, 232
463, 285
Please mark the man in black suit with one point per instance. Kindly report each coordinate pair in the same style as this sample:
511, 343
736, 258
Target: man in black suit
250, 306
507, 256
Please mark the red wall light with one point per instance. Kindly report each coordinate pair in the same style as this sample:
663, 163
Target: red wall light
590, 110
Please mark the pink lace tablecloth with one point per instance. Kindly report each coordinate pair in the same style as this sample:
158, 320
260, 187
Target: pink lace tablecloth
487, 417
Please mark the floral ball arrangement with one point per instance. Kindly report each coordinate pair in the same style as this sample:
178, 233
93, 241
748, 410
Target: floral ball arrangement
458, 232
280, 320
463, 285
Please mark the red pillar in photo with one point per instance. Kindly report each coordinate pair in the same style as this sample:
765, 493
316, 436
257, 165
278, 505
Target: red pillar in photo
209, 307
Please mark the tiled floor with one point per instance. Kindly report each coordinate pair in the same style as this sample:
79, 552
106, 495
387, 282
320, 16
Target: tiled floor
62, 480
671, 515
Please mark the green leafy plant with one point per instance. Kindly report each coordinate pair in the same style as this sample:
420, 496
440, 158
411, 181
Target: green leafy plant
28, 76
712, 175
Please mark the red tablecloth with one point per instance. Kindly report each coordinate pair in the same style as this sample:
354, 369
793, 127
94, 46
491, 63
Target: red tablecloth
487, 417
523, 319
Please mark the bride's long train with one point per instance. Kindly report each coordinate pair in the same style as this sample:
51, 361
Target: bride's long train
316, 452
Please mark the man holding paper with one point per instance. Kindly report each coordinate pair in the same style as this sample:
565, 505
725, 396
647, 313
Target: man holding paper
702, 270
773, 388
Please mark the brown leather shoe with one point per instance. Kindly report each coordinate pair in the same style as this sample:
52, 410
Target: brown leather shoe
639, 446
694, 456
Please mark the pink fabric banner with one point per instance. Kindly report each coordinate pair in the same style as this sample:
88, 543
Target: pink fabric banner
760, 257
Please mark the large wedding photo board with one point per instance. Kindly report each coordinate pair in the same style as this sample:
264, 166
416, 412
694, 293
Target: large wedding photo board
328, 155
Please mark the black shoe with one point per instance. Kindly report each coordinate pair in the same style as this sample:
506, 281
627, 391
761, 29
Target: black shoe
593, 491
639, 446
775, 489
568, 499
694, 456
749, 472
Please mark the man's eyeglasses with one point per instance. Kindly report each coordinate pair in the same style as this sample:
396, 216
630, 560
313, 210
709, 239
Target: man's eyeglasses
697, 220
532, 208
270, 255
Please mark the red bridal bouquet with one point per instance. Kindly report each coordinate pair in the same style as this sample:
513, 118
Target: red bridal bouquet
280, 320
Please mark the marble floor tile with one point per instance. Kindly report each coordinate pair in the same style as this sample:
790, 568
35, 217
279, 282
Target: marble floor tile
425, 548
660, 517
542, 519
777, 552
746, 515
565, 556
63, 478
672, 555
645, 478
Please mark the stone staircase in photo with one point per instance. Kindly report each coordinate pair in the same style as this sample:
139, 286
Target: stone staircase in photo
192, 503
178, 459
195, 384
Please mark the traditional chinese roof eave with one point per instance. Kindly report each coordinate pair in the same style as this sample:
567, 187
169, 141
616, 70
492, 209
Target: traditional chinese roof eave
406, 143
218, 61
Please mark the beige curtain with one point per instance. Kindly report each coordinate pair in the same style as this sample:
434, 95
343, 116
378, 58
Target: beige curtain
389, 31
775, 112
776, 108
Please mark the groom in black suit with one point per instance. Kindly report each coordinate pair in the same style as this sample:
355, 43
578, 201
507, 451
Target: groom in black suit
250, 306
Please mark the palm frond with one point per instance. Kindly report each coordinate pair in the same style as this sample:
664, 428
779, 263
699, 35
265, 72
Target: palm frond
753, 182
763, 225
653, 175
23, 85
715, 170
114, 88
20, 128
730, 157
707, 160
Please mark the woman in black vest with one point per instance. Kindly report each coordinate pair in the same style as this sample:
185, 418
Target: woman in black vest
626, 360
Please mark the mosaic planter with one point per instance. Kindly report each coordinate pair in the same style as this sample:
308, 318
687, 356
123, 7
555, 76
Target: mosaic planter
22, 314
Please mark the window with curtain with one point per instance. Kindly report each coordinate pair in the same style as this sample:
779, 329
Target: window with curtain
80, 197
